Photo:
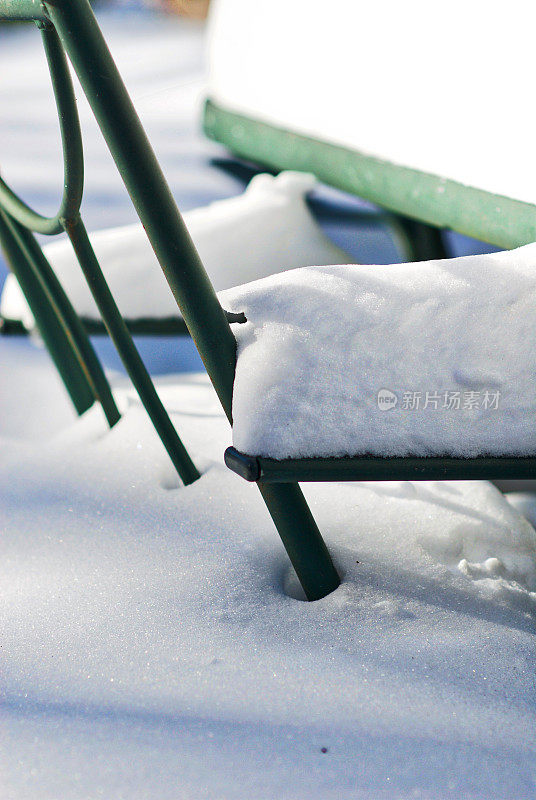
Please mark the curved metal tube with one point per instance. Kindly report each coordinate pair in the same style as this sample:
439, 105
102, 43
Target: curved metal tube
71, 140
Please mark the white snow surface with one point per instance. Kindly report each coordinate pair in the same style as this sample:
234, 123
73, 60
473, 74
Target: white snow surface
266, 229
153, 645
321, 343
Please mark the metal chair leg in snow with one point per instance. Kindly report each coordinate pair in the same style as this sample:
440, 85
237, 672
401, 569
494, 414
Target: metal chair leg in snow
78, 32
60, 326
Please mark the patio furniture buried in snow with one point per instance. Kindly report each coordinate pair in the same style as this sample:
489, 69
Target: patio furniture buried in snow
71, 25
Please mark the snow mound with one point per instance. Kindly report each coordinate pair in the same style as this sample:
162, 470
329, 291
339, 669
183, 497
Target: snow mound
495, 545
266, 229
426, 358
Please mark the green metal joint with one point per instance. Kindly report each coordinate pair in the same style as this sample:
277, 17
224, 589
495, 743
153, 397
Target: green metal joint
417, 240
22, 10
12, 327
247, 467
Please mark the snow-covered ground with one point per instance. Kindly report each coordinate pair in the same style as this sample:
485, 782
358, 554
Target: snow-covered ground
153, 643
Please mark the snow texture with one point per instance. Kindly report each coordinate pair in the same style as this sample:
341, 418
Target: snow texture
267, 229
153, 644
321, 343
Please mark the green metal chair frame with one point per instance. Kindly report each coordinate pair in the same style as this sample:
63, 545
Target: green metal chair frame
72, 24
61, 328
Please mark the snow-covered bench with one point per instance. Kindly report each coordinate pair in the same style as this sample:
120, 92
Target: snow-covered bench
407, 359
266, 229
324, 352
433, 359
400, 372
406, 119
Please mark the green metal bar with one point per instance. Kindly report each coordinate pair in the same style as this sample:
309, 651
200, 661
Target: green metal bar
151, 196
137, 326
130, 357
71, 138
429, 198
22, 10
52, 331
152, 326
142, 326
180, 262
75, 336
301, 538
371, 468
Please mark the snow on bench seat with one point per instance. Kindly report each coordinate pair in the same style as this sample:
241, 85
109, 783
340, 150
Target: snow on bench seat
267, 228
446, 348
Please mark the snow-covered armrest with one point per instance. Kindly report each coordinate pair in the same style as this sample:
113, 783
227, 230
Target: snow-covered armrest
266, 229
424, 359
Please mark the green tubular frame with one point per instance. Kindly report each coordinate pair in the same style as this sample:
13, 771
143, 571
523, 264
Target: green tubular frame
49, 323
60, 326
207, 322
428, 198
375, 468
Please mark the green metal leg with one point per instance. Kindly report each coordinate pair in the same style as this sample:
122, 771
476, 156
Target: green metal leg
52, 331
71, 321
58, 321
420, 242
126, 348
302, 539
